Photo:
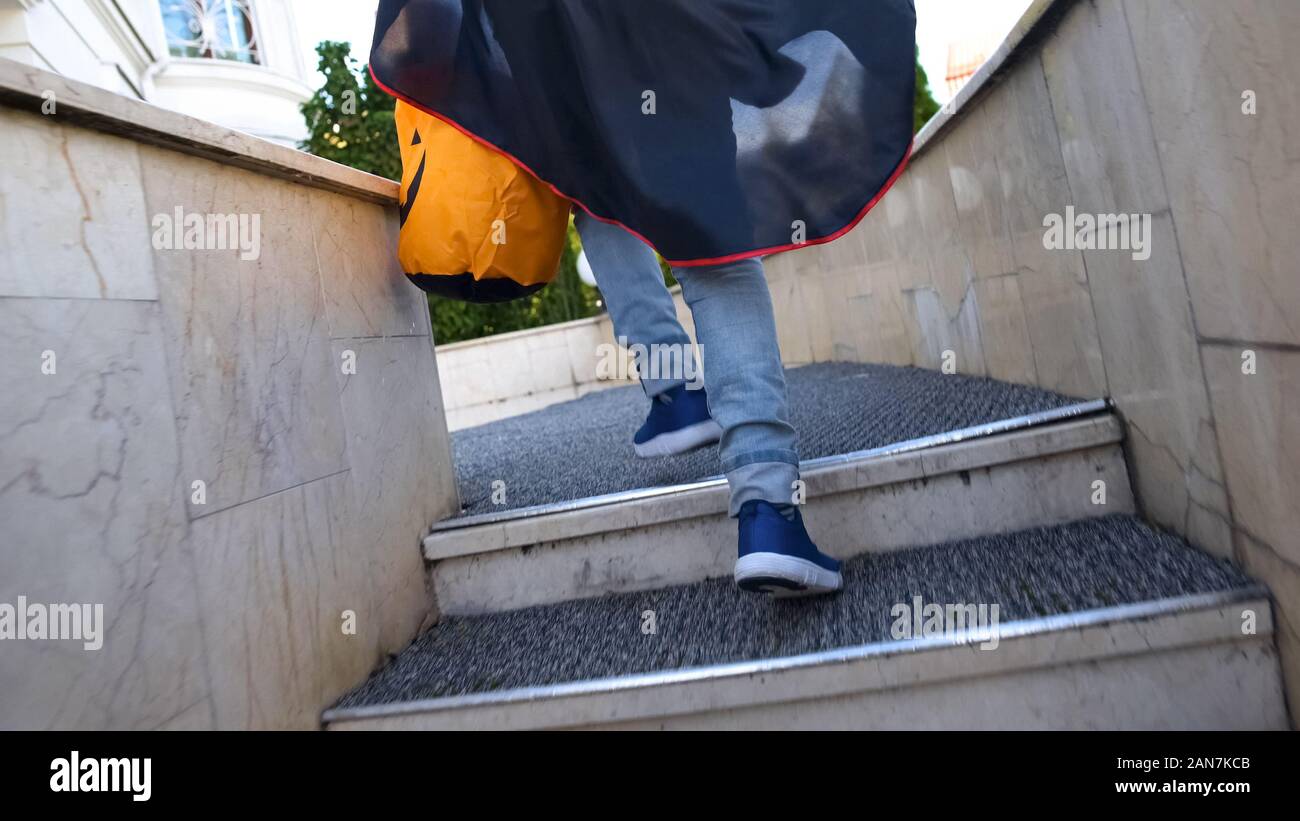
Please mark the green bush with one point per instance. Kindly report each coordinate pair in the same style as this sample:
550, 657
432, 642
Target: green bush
350, 119
924, 106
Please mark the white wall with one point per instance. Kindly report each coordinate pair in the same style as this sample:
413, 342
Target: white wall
1111, 107
171, 367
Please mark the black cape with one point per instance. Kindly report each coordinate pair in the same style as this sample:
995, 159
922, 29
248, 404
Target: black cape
714, 129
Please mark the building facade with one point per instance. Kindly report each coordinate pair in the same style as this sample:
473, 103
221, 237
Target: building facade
234, 62
966, 56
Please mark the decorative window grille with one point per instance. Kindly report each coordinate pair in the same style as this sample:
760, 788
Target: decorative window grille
216, 29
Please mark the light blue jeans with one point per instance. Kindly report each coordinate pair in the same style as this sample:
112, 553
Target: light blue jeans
736, 331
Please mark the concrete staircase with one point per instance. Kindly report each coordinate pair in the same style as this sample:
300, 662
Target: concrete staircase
257, 602
616, 610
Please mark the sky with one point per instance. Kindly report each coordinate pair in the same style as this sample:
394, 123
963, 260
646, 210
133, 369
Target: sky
938, 23
351, 21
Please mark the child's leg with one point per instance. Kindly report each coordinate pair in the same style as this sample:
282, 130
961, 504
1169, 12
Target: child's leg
632, 284
744, 377
736, 330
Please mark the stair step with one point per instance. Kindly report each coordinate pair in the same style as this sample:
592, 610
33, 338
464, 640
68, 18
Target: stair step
1004, 475
1102, 623
583, 448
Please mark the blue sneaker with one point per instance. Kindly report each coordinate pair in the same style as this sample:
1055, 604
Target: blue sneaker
777, 557
679, 421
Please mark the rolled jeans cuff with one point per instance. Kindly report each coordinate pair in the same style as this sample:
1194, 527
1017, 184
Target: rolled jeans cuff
752, 457
768, 481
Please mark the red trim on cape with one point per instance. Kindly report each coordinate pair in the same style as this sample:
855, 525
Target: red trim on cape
691, 263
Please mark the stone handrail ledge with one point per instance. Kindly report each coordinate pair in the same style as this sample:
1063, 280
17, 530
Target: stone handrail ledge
25, 87
1037, 21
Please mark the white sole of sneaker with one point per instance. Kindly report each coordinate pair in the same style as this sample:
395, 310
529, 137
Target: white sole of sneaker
784, 577
680, 441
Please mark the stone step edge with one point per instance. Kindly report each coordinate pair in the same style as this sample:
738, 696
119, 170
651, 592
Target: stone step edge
1086, 636
1038, 418
839, 474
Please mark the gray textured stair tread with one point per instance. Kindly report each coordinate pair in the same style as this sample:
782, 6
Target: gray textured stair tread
583, 448
1086, 565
